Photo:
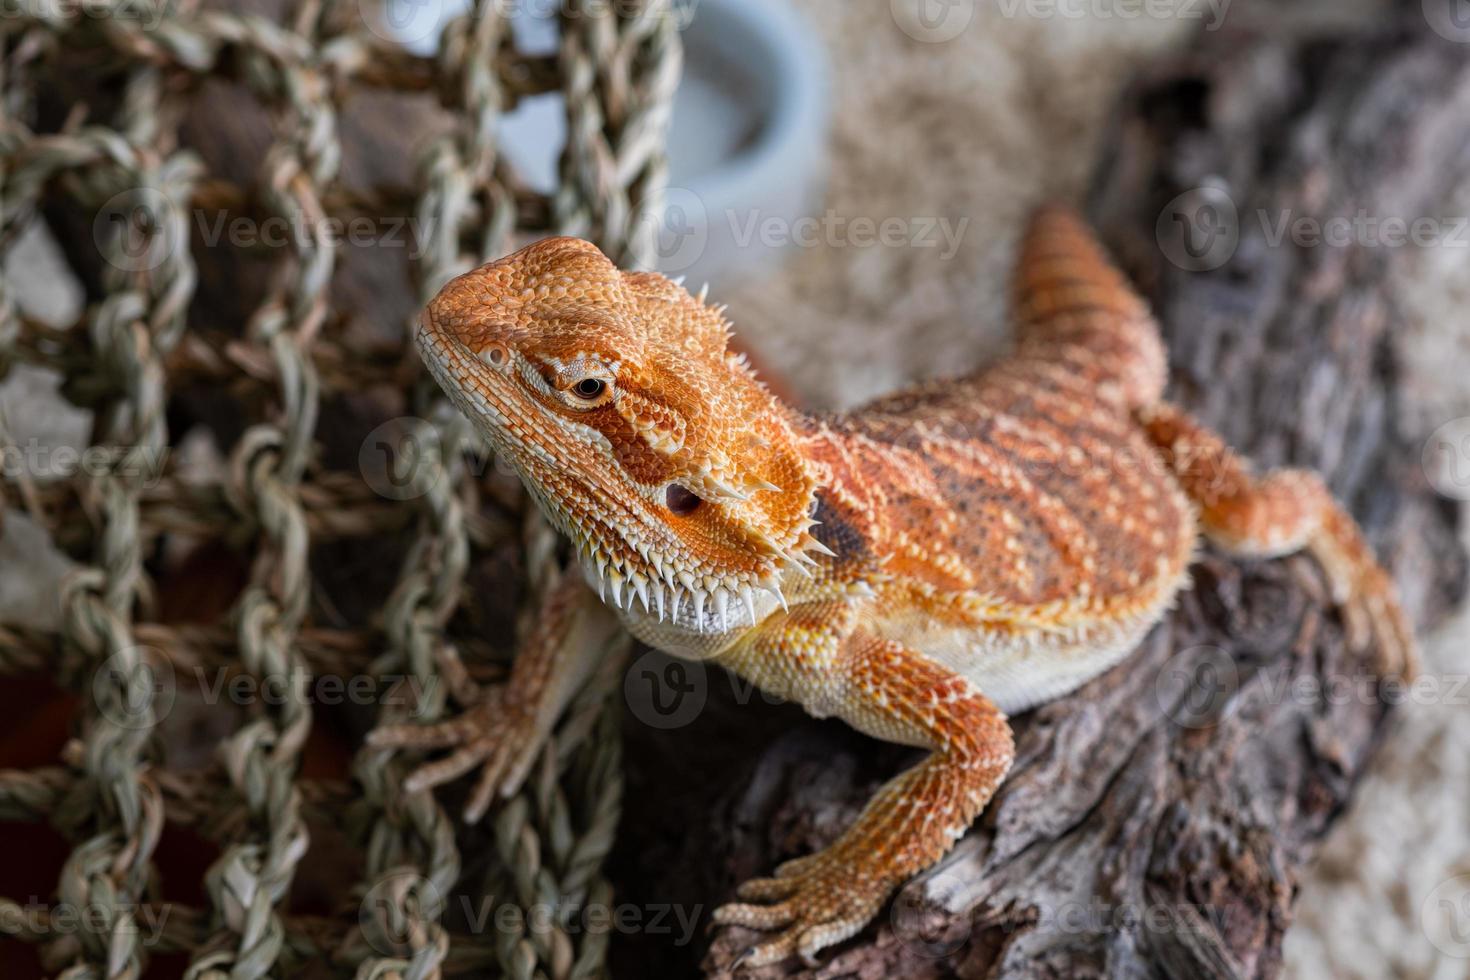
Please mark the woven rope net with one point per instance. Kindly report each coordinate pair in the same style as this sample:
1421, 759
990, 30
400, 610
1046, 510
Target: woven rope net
286, 508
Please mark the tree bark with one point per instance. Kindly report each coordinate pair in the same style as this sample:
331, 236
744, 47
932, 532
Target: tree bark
1156, 822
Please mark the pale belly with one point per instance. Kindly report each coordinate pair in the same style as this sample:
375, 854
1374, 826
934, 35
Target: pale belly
1021, 672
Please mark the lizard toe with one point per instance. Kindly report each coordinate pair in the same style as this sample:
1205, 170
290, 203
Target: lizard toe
756, 916
451, 767
440, 735
500, 741
765, 889
807, 931
827, 899
802, 865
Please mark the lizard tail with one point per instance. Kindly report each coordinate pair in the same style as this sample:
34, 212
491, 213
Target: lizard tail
1073, 305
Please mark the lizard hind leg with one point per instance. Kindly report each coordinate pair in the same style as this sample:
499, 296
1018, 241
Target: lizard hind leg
1280, 513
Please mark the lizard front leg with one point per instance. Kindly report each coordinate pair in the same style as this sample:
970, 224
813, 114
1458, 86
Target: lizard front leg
502, 730
823, 657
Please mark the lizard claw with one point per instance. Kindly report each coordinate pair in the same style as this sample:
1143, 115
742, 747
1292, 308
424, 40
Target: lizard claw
491, 734
826, 900
1366, 598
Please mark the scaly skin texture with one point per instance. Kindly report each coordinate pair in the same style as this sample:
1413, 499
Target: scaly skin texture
920, 568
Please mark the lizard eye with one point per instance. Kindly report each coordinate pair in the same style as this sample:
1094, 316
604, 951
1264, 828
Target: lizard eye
681, 500
495, 355
589, 388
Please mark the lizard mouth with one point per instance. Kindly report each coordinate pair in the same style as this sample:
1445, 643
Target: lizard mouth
682, 600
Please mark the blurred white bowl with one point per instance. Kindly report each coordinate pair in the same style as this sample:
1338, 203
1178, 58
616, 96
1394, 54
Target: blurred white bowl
747, 144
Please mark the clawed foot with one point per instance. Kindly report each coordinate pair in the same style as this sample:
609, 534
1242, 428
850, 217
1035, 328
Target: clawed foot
1366, 597
497, 736
1371, 615
815, 901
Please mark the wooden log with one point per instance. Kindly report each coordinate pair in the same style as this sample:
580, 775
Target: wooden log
1156, 822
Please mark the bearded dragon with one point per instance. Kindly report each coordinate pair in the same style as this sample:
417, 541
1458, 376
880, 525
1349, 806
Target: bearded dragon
921, 568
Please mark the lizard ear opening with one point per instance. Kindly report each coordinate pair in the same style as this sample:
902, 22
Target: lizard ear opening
681, 500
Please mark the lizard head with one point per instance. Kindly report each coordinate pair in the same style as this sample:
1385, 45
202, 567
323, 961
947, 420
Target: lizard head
676, 474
